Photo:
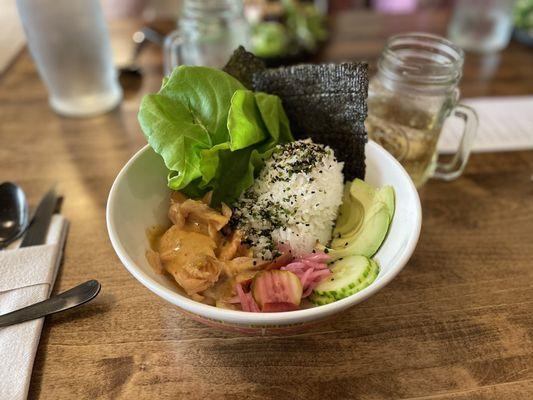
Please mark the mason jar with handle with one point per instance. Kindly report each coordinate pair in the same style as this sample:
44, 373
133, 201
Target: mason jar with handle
208, 33
412, 94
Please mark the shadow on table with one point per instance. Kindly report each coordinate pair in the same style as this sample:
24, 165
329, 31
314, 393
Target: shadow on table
98, 148
314, 364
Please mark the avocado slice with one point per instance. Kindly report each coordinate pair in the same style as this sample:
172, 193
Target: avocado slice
358, 203
367, 241
369, 231
351, 214
363, 192
366, 194
386, 195
339, 241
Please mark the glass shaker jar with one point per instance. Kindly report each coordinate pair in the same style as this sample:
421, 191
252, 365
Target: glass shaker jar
208, 33
413, 92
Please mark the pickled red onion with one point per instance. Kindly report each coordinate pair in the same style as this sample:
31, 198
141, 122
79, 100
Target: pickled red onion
311, 269
247, 301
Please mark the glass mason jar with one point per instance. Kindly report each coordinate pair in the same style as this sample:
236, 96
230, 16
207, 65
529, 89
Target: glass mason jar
208, 33
413, 92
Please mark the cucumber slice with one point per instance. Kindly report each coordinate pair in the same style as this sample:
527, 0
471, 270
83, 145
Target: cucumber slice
371, 277
346, 274
324, 299
321, 300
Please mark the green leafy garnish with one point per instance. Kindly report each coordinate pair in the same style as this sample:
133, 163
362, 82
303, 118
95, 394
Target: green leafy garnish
270, 39
212, 133
523, 14
302, 27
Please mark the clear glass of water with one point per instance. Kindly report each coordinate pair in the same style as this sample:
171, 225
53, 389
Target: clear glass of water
208, 33
482, 26
69, 42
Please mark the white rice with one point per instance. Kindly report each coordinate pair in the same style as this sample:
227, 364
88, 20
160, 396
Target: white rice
293, 202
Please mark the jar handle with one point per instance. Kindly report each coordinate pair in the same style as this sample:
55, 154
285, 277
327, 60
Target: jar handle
454, 168
171, 50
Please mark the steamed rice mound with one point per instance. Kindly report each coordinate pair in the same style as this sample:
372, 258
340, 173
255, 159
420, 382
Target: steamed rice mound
294, 202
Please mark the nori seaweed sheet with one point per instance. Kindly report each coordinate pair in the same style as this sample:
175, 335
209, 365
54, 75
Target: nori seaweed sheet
242, 65
326, 103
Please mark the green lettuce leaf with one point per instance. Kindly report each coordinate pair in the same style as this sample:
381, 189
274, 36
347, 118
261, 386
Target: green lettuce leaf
274, 117
211, 132
245, 125
256, 121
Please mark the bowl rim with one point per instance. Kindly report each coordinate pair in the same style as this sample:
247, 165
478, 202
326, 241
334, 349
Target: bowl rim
255, 318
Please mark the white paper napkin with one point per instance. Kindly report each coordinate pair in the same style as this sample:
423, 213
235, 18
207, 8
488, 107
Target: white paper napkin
505, 124
27, 276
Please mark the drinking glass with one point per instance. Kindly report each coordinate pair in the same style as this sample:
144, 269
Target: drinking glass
413, 92
69, 42
208, 33
482, 25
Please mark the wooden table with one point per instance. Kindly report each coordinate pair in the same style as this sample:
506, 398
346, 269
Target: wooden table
457, 323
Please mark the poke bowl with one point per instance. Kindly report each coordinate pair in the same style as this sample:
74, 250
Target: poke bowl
259, 205
137, 200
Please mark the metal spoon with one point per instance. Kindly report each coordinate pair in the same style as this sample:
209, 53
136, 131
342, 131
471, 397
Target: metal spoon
14, 214
74, 297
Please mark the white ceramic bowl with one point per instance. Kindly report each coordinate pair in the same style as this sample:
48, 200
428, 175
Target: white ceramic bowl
139, 199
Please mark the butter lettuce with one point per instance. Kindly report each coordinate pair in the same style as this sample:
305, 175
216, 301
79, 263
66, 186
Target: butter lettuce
212, 133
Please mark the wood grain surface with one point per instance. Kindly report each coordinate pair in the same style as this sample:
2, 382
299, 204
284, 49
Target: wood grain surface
457, 323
